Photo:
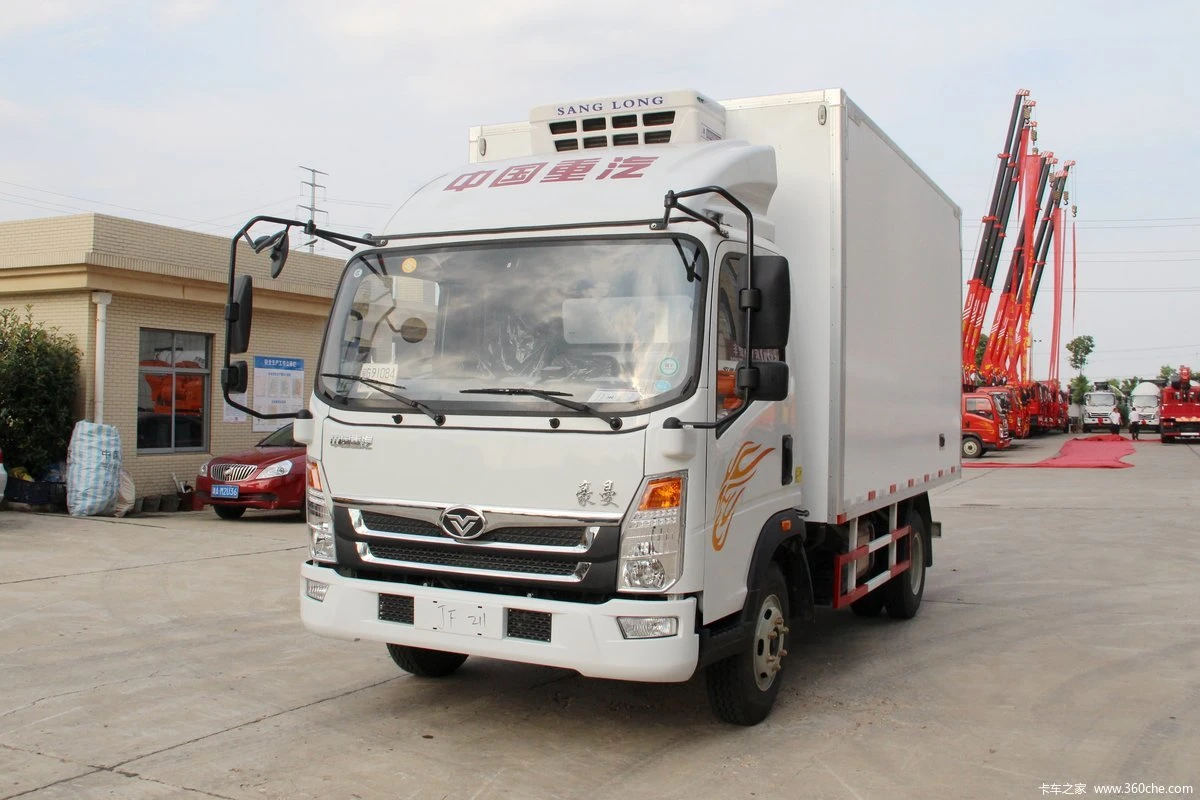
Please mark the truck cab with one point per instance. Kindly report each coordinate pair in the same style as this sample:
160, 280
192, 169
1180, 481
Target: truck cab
983, 425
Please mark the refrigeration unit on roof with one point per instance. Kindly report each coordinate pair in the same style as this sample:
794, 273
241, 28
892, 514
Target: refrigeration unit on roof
676, 117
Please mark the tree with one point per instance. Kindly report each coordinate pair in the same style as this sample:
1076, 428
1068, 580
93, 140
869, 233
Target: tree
1165, 372
1127, 385
1079, 387
39, 368
1080, 347
979, 349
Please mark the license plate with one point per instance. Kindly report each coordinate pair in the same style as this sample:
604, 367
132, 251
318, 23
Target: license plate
225, 492
466, 619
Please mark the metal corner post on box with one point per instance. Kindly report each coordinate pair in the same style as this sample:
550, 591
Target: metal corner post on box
623, 394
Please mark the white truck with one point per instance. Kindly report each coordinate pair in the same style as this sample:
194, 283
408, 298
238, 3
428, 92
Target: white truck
560, 418
1098, 405
1146, 397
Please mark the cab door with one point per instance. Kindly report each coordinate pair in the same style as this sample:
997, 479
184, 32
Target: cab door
746, 483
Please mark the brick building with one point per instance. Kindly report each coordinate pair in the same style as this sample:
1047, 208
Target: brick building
158, 296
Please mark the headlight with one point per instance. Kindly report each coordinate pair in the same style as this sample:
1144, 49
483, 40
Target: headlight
204, 470
322, 544
651, 557
276, 470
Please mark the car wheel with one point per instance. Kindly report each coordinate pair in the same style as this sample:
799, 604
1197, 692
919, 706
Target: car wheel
229, 512
972, 447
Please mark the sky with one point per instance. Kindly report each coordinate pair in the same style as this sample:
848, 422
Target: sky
199, 113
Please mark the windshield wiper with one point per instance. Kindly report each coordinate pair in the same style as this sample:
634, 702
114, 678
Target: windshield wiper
554, 397
382, 386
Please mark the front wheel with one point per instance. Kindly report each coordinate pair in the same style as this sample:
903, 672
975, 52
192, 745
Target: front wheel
742, 688
229, 512
425, 663
972, 448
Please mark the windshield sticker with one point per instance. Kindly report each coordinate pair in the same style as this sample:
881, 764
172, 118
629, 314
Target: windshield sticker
378, 372
738, 474
662, 386
668, 366
614, 396
571, 170
357, 272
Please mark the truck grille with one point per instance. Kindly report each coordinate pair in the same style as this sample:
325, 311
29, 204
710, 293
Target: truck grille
533, 625
231, 472
562, 536
466, 558
396, 608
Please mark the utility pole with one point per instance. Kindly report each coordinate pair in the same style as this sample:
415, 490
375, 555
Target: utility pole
311, 208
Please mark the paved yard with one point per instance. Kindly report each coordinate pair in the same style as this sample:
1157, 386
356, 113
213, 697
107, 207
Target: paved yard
1059, 643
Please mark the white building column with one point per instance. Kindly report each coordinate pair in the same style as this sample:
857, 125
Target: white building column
101, 299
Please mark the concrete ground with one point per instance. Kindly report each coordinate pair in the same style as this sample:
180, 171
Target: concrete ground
1059, 644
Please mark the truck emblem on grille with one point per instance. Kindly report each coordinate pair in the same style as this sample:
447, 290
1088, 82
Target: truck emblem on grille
356, 442
462, 522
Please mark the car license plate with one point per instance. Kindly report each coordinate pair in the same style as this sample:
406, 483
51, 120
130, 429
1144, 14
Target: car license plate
466, 619
225, 492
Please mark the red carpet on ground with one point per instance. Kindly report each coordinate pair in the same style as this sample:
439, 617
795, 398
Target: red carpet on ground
1102, 451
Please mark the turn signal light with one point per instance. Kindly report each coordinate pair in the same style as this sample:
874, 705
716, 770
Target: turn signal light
662, 493
314, 476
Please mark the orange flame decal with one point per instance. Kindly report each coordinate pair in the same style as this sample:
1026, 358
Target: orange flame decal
739, 472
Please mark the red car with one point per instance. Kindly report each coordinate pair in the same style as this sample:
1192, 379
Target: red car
269, 476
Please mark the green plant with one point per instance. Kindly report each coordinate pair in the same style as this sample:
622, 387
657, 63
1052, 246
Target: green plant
38, 372
980, 349
1080, 348
1079, 387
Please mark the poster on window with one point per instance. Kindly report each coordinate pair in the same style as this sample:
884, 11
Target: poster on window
233, 414
278, 388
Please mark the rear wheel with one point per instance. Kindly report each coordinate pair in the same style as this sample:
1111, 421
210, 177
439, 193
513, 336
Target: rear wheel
972, 447
903, 593
742, 688
425, 663
229, 512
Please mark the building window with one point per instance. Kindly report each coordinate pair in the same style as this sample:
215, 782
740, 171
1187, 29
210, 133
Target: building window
173, 375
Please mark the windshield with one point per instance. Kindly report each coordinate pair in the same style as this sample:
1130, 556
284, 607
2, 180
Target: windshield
280, 438
612, 323
1001, 401
1099, 399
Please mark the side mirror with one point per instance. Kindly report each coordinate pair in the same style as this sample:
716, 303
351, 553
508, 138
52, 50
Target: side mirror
766, 380
771, 300
235, 377
279, 254
304, 427
239, 315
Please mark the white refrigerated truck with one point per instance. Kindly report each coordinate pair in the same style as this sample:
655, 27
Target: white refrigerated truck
560, 418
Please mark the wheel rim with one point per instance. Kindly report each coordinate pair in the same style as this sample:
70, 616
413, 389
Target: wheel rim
916, 555
970, 448
769, 636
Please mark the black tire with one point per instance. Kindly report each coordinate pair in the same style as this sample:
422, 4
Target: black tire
869, 606
903, 593
972, 447
425, 663
1167, 439
229, 512
742, 688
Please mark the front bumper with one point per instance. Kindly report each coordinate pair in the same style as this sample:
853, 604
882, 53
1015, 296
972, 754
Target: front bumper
272, 494
584, 637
